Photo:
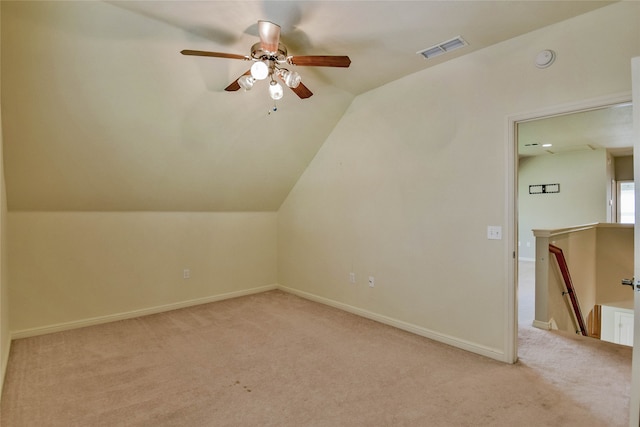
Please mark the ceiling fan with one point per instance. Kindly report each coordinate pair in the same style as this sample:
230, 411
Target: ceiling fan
269, 58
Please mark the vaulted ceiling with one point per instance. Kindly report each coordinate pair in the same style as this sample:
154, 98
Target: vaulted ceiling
100, 112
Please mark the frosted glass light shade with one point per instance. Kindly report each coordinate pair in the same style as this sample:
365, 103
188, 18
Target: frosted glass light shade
275, 90
246, 82
291, 78
259, 70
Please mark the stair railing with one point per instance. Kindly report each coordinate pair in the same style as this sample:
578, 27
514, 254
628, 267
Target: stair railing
564, 270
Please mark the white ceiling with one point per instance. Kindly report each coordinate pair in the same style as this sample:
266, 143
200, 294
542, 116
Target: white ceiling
101, 112
367, 31
608, 127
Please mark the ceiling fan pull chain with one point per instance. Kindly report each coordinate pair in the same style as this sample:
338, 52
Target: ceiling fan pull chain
273, 109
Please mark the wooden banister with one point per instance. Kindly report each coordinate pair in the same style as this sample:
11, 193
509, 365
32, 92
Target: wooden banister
564, 270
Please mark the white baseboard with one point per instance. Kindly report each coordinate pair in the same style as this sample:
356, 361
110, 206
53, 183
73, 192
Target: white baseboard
135, 313
4, 363
541, 325
409, 327
547, 326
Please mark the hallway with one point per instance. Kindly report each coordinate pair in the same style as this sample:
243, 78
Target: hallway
594, 373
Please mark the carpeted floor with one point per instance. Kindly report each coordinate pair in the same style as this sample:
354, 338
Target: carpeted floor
595, 373
274, 359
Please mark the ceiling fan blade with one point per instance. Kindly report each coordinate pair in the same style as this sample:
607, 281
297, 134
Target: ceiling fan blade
302, 91
214, 54
269, 36
235, 85
321, 61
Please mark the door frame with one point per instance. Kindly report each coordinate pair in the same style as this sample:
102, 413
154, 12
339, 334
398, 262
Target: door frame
511, 291
634, 399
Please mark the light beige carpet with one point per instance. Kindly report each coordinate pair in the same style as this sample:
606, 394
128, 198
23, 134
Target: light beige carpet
274, 359
595, 373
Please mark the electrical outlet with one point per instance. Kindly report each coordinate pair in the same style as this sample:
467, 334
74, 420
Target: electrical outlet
352, 277
372, 281
186, 273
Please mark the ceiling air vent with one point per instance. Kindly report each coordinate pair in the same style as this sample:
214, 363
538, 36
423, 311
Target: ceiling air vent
444, 47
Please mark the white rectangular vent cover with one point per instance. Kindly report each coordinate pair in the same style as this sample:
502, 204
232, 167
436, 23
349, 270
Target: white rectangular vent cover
444, 47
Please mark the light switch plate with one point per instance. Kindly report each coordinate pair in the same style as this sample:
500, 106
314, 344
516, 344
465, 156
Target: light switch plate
494, 232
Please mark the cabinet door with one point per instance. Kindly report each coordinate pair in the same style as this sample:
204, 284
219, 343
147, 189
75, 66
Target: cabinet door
623, 333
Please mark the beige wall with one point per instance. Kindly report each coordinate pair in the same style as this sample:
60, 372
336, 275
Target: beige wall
5, 336
402, 190
70, 268
582, 198
615, 262
624, 168
598, 257
406, 185
5, 325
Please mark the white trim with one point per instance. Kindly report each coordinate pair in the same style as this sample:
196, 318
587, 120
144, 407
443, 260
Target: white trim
542, 325
65, 326
634, 398
526, 259
573, 107
511, 318
409, 327
511, 249
548, 233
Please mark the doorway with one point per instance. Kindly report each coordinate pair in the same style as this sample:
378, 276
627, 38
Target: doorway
529, 136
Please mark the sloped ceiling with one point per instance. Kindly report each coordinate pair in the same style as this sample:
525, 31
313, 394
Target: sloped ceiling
100, 112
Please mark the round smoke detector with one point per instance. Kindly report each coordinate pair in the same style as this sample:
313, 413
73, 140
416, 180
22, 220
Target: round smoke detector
545, 58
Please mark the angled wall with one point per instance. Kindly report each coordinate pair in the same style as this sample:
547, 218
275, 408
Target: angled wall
119, 175
404, 188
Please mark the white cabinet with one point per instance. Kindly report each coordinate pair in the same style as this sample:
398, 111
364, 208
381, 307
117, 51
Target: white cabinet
617, 323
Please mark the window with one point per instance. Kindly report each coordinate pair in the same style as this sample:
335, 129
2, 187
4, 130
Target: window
626, 202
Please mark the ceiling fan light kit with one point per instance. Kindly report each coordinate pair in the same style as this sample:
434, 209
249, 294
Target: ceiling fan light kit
259, 70
291, 78
269, 57
275, 90
246, 82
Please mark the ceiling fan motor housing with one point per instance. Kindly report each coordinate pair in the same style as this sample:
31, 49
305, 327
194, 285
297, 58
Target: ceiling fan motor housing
259, 54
